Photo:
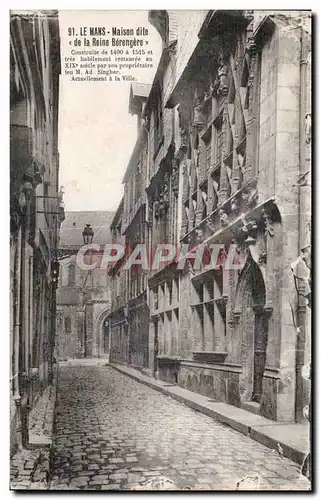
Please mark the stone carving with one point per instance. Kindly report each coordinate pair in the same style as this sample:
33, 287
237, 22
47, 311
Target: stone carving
308, 128
250, 46
235, 205
223, 218
199, 117
210, 224
199, 235
250, 196
262, 259
150, 210
175, 178
247, 231
183, 115
269, 230
223, 77
157, 209
145, 122
164, 196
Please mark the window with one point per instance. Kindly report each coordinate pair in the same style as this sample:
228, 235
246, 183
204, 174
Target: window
67, 325
71, 275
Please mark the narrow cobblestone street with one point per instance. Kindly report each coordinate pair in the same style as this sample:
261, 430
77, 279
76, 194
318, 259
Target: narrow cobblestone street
113, 433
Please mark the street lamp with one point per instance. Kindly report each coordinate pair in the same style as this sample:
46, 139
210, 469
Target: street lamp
88, 234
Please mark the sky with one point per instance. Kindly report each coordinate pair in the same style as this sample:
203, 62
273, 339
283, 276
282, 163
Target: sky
96, 131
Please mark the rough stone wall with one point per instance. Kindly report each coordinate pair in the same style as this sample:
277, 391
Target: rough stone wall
68, 345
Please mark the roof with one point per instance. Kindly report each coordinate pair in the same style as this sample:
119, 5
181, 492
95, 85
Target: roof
74, 224
138, 92
141, 89
118, 214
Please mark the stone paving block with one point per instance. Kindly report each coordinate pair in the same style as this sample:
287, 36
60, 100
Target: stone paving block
121, 440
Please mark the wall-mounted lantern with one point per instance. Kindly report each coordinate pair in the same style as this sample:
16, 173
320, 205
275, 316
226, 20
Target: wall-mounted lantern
88, 234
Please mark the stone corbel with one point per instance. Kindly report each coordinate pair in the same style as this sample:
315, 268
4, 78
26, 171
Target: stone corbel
199, 121
183, 115
235, 205
236, 314
223, 218
262, 259
250, 196
210, 224
199, 235
175, 177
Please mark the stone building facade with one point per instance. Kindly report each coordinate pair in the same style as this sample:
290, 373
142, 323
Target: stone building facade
134, 230
228, 164
36, 210
118, 320
83, 294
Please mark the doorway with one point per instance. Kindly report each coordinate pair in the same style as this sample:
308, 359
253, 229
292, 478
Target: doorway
155, 347
252, 332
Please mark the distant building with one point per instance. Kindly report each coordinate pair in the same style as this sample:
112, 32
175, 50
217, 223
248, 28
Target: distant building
83, 296
36, 209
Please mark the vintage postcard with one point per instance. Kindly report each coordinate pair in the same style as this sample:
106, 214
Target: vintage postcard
160, 250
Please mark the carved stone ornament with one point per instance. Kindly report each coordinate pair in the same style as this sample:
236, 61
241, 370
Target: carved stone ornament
223, 77
250, 196
250, 46
269, 230
210, 224
248, 231
175, 178
235, 205
199, 235
262, 259
199, 117
308, 128
150, 210
223, 218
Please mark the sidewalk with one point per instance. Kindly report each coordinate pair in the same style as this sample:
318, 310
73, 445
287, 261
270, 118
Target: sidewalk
293, 438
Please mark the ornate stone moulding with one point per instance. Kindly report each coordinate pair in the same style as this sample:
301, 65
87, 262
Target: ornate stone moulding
225, 214
210, 356
164, 359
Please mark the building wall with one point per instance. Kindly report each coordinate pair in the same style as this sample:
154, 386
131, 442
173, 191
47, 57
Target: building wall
35, 208
235, 102
273, 139
96, 285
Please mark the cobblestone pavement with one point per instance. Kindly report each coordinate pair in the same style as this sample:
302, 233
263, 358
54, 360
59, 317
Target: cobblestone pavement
113, 433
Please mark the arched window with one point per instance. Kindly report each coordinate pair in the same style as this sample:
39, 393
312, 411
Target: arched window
71, 275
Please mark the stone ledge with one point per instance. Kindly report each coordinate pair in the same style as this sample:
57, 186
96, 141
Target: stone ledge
210, 356
41, 417
225, 367
293, 438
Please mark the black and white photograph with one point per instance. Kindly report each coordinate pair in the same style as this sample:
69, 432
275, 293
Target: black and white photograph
160, 250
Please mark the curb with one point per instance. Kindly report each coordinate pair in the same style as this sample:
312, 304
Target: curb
247, 429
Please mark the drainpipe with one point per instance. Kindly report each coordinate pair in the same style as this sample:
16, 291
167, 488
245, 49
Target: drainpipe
147, 208
304, 209
16, 330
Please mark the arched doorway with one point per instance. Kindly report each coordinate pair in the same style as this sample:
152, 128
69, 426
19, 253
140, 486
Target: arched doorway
106, 338
102, 333
252, 330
